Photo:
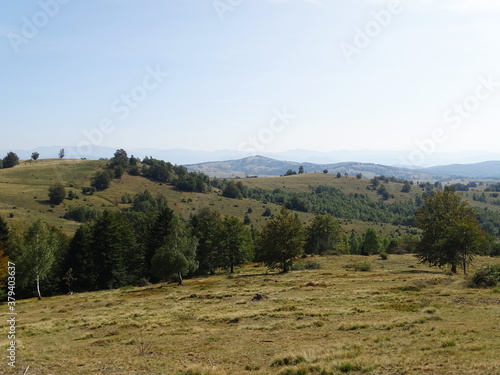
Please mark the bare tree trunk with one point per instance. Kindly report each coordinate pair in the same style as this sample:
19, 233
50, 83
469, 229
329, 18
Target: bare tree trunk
180, 280
38, 287
454, 268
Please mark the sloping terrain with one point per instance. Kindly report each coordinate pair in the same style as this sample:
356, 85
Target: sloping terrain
398, 318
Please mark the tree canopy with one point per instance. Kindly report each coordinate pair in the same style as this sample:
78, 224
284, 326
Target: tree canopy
451, 233
281, 240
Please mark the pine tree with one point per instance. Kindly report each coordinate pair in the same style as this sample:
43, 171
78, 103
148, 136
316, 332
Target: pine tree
117, 256
81, 259
207, 228
235, 244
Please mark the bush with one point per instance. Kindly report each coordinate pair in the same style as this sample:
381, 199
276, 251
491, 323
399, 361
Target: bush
57, 193
384, 255
312, 265
88, 190
288, 361
361, 266
101, 180
82, 214
486, 277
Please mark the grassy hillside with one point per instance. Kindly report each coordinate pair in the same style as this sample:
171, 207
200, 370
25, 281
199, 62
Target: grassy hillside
398, 318
23, 193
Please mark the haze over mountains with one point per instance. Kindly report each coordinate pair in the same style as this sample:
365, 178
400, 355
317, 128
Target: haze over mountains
184, 156
232, 163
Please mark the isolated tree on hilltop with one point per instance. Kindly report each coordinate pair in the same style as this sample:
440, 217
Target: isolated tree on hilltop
61, 153
35, 155
11, 160
452, 234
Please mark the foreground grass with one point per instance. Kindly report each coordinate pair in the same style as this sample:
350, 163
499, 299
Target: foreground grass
399, 318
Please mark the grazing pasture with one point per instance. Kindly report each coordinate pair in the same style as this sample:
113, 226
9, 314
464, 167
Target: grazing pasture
399, 317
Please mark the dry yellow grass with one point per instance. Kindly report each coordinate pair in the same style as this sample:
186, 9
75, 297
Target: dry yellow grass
399, 318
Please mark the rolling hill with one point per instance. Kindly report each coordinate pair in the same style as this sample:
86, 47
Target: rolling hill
264, 167
24, 192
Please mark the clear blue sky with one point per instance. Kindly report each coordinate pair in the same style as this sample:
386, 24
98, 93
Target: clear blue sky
231, 67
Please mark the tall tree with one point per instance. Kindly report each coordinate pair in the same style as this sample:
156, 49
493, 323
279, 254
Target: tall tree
82, 260
207, 228
281, 241
38, 254
177, 257
61, 153
325, 236
117, 257
451, 233
4, 231
235, 244
370, 243
157, 234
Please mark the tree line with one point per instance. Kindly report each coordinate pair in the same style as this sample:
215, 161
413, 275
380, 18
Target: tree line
148, 243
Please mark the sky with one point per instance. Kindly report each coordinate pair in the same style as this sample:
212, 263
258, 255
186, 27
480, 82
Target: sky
252, 75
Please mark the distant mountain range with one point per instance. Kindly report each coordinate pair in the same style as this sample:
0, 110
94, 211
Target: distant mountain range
263, 166
231, 163
183, 156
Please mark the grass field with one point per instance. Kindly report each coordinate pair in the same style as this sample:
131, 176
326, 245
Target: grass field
398, 318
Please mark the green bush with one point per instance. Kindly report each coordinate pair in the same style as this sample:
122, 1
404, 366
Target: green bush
312, 265
361, 266
288, 361
82, 214
486, 277
57, 193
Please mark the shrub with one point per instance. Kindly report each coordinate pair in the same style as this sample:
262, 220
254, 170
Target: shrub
288, 361
384, 255
88, 190
361, 266
81, 214
486, 277
312, 265
57, 193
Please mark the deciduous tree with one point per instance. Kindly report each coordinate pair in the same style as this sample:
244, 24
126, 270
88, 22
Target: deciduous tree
57, 193
325, 236
451, 232
281, 240
177, 257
